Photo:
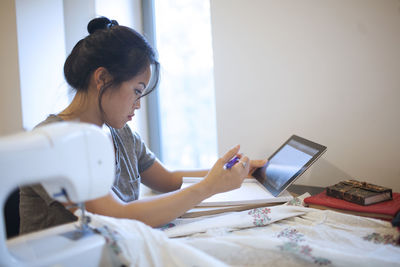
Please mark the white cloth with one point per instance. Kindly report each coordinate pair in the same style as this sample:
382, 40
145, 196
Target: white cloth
132, 243
278, 236
315, 237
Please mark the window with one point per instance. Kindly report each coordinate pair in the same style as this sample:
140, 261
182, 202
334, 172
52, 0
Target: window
186, 91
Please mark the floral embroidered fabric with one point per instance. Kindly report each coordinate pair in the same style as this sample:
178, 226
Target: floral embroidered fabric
285, 235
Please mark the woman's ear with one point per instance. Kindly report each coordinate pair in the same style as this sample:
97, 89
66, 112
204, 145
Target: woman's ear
101, 77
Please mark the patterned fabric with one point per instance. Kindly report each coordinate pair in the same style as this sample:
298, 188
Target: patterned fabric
314, 238
233, 221
378, 238
294, 246
257, 237
260, 216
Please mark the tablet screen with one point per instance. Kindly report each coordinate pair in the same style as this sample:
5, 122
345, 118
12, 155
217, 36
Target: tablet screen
288, 163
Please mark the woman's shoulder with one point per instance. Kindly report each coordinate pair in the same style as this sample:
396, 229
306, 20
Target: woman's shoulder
50, 119
127, 134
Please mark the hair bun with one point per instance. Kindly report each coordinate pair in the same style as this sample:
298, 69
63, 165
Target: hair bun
100, 23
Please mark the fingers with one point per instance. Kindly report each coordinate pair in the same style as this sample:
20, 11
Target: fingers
230, 154
255, 164
258, 163
243, 165
244, 162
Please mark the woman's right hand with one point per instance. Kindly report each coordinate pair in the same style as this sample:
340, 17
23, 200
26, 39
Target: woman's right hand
220, 179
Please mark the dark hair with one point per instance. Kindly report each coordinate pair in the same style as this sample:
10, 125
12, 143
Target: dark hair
122, 51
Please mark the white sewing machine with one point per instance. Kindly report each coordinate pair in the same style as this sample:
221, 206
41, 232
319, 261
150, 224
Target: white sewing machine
71, 160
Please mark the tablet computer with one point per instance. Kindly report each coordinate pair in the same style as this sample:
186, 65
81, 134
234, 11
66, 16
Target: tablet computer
286, 164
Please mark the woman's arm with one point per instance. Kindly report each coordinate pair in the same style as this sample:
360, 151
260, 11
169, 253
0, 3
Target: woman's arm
159, 178
162, 209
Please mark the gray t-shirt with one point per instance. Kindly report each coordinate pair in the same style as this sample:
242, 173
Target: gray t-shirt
39, 211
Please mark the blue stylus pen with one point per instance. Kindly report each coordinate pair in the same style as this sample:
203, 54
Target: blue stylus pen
231, 162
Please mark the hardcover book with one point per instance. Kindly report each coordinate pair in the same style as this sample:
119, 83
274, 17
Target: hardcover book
361, 193
386, 210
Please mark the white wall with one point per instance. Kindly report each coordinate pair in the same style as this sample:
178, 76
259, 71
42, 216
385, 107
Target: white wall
10, 98
41, 49
77, 14
40, 34
326, 70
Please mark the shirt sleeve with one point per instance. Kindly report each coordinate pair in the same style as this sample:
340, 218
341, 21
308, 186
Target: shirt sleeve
145, 157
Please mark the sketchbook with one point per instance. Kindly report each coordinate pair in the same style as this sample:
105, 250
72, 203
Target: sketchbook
206, 211
251, 192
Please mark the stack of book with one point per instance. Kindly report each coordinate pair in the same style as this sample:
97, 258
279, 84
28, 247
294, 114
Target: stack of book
358, 198
250, 195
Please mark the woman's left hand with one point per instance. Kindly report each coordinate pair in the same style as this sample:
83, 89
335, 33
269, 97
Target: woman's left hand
254, 164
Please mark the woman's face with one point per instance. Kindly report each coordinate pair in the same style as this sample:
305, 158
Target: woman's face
119, 105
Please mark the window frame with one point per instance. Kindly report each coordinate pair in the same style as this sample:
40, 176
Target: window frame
152, 100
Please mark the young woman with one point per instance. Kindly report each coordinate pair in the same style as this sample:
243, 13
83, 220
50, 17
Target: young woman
110, 70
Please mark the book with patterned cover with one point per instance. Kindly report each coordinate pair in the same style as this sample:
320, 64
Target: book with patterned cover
361, 193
